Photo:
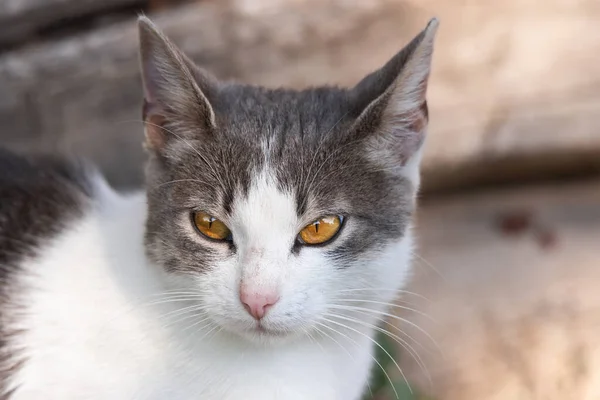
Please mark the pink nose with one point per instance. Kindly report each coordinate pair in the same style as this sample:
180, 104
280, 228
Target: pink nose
257, 302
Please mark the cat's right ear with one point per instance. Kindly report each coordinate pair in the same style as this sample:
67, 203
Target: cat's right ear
392, 106
173, 94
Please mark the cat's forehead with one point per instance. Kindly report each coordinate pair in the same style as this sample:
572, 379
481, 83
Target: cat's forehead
265, 113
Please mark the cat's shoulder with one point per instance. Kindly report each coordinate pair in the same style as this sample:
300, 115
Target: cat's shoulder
39, 194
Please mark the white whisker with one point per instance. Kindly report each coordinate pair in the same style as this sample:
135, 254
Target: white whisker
178, 181
323, 140
382, 318
343, 349
383, 303
399, 291
181, 319
377, 344
195, 324
393, 316
179, 311
411, 350
430, 265
202, 157
374, 359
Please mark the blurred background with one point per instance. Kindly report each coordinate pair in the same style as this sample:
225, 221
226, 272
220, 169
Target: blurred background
506, 290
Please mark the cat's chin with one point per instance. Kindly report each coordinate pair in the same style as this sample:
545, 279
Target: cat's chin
261, 334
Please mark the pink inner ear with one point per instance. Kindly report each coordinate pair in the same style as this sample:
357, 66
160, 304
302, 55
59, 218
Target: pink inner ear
155, 133
410, 146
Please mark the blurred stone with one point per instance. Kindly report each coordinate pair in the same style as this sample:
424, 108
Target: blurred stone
515, 92
19, 19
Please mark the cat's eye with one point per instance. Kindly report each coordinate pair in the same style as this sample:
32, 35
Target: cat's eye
211, 227
321, 231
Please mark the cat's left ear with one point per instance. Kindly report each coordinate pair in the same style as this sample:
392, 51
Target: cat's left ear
392, 105
175, 90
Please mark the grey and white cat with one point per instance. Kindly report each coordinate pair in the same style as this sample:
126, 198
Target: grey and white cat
273, 233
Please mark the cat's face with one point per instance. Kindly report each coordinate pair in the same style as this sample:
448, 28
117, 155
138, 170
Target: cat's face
280, 213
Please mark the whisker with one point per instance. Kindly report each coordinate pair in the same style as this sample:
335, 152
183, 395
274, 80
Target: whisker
343, 349
152, 300
372, 357
399, 291
181, 319
376, 295
411, 350
195, 324
383, 318
329, 157
176, 292
179, 311
338, 343
166, 300
178, 181
393, 316
377, 344
321, 142
209, 165
389, 305
430, 265
214, 327
191, 293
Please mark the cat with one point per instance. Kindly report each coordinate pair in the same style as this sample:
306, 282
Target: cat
274, 231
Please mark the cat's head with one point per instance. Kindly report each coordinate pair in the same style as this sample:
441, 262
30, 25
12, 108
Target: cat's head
277, 211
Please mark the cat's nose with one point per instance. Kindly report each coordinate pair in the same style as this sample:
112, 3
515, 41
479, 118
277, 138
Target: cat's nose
257, 302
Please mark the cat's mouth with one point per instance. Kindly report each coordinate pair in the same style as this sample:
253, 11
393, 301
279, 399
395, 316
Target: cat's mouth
269, 332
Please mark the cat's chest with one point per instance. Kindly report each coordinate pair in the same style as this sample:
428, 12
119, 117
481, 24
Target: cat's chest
161, 371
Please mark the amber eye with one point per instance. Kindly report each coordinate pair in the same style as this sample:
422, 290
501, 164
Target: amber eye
211, 227
321, 231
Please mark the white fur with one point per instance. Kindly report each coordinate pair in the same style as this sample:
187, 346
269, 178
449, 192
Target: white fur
92, 330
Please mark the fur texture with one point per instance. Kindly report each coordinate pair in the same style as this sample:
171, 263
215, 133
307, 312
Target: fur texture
124, 298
